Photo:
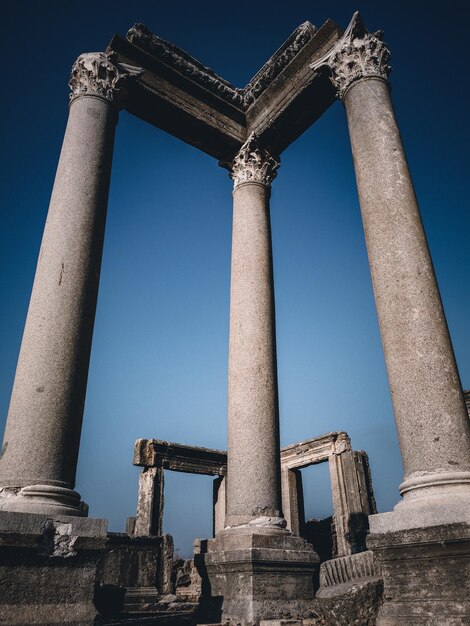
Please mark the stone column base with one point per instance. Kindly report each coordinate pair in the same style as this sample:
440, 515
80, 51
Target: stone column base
50, 500
426, 573
256, 575
48, 568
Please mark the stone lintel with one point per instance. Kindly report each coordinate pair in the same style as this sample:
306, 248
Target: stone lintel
295, 98
167, 100
197, 460
314, 450
179, 95
179, 458
283, 56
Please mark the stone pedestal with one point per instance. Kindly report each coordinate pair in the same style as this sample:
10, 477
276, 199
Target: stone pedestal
48, 568
426, 573
257, 576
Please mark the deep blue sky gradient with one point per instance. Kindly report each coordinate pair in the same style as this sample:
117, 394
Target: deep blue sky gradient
159, 360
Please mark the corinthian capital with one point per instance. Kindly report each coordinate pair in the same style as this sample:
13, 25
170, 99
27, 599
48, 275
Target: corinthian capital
253, 164
359, 54
95, 74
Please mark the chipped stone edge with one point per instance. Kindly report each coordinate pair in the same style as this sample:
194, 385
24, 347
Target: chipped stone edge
165, 51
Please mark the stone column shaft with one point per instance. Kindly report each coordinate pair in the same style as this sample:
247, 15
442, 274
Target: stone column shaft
430, 412
253, 482
42, 435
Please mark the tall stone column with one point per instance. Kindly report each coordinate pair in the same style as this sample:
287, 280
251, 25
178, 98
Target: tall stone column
42, 436
429, 407
253, 483
423, 546
258, 568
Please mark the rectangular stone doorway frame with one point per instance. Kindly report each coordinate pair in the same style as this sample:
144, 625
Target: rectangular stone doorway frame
351, 485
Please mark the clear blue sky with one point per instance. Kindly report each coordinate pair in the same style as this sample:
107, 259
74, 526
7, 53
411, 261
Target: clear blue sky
159, 360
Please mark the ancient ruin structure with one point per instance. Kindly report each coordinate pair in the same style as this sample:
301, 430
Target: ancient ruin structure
58, 565
352, 495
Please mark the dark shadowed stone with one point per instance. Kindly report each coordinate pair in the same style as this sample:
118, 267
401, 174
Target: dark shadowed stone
353, 605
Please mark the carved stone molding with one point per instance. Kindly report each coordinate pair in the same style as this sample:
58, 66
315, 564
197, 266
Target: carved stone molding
361, 54
253, 164
173, 56
358, 54
141, 36
94, 73
278, 62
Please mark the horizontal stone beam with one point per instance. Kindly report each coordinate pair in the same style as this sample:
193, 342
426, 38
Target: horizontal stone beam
196, 460
179, 458
295, 98
316, 450
186, 99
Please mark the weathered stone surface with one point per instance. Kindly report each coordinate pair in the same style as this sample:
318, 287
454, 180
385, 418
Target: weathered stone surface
188, 581
426, 574
466, 395
254, 487
281, 622
292, 500
322, 535
96, 75
136, 583
42, 435
260, 576
353, 500
166, 579
431, 416
360, 54
350, 590
47, 568
345, 570
316, 450
351, 484
183, 97
150, 502
356, 604
219, 503
179, 457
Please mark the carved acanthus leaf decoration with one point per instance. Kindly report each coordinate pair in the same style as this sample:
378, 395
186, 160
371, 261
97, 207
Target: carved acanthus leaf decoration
358, 54
95, 73
253, 164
